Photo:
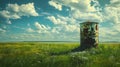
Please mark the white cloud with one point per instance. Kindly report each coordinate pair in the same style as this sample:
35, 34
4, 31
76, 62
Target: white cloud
56, 5
42, 28
115, 3
64, 24
55, 20
69, 20
109, 34
15, 11
56, 30
30, 30
82, 5
71, 28
117, 27
9, 22
112, 12
2, 30
86, 16
83, 10
19, 27
9, 15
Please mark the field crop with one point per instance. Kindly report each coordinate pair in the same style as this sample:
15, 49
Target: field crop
58, 54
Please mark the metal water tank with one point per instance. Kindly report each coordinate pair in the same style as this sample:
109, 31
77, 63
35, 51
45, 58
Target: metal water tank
88, 34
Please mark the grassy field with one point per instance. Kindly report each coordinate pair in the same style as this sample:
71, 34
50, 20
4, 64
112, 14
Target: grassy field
55, 54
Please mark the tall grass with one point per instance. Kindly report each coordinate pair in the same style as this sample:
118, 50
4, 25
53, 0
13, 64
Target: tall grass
39, 54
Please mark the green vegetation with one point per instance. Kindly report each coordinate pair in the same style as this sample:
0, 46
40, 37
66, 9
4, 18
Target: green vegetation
47, 54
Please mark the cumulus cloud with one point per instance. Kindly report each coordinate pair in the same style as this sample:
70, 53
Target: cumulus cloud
82, 5
90, 10
83, 10
106, 33
56, 5
9, 22
64, 28
64, 24
15, 11
2, 30
115, 3
55, 20
117, 27
9, 15
42, 28
30, 30
56, 30
71, 28
67, 20
86, 16
112, 12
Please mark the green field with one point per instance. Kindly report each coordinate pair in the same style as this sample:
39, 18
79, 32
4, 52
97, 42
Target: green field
58, 54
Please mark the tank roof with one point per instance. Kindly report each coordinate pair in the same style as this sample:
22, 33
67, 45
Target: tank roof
89, 22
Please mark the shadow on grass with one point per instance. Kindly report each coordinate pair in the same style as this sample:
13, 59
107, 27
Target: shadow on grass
78, 49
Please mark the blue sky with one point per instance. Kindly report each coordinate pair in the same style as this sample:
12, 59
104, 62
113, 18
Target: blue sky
57, 20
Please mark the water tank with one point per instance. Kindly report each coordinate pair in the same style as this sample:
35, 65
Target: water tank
88, 34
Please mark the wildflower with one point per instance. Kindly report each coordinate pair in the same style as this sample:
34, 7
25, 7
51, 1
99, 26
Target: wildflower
84, 58
39, 61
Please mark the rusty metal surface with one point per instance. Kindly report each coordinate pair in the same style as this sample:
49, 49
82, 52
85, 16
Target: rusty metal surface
89, 34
